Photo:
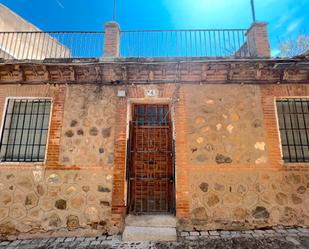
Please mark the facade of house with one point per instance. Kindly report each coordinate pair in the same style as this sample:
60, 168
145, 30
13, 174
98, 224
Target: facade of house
218, 143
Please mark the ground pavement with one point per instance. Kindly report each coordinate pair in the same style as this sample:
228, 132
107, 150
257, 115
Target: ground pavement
279, 238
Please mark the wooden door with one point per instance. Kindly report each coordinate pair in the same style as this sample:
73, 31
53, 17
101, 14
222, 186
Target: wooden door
150, 161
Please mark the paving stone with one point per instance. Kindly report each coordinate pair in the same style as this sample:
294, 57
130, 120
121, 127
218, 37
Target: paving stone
293, 240
89, 239
59, 240
246, 235
191, 237
226, 236
183, 234
15, 243
4, 243
279, 238
69, 239
84, 243
96, 242
257, 235
194, 233
303, 230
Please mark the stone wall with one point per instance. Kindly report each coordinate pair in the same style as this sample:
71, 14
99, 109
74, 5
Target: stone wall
71, 193
226, 125
88, 126
229, 172
237, 179
242, 200
55, 203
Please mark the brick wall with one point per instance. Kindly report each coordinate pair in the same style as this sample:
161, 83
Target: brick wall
258, 41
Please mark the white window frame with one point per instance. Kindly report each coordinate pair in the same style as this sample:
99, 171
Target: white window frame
278, 129
6, 102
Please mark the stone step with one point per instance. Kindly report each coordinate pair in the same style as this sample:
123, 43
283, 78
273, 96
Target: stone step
151, 221
132, 233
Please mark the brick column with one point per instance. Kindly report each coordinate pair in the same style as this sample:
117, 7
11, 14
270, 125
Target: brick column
258, 42
112, 40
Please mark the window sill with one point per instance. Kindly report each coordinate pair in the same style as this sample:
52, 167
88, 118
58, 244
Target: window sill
22, 164
296, 165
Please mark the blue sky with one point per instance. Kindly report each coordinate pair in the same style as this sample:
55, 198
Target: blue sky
286, 18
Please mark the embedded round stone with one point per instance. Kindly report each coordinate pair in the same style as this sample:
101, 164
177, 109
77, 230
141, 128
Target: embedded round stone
40, 190
212, 200
54, 220
204, 186
104, 203
106, 132
53, 179
240, 213
94, 131
80, 132
281, 199
31, 199
61, 204
220, 159
85, 188
69, 133
301, 190
73, 123
199, 213
219, 187
92, 214
201, 158
260, 213
72, 222
103, 189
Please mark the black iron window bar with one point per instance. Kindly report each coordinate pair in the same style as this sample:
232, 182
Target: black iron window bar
25, 130
293, 117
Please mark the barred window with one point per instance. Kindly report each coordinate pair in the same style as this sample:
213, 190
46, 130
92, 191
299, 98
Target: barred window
25, 130
293, 116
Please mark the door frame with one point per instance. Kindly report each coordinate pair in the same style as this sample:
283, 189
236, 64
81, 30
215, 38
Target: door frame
162, 101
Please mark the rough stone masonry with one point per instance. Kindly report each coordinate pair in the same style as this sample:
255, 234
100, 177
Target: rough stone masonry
229, 171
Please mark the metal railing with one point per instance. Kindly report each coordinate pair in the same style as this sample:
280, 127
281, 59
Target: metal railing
145, 43
42, 45
184, 43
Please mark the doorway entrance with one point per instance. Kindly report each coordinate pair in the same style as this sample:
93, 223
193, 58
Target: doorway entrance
150, 171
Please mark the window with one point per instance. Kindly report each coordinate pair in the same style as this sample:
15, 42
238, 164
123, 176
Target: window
293, 116
151, 115
25, 130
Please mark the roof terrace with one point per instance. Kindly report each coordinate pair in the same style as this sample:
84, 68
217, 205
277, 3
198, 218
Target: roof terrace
115, 43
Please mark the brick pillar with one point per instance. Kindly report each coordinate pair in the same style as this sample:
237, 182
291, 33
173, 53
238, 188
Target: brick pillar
112, 40
258, 42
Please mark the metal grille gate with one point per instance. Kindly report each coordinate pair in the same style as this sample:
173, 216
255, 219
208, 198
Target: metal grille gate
150, 169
